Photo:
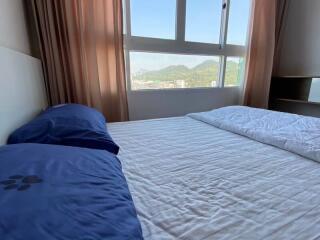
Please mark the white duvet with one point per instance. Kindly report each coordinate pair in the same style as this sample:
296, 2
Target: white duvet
192, 180
295, 133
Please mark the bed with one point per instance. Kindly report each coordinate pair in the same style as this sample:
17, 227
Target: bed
60, 178
235, 173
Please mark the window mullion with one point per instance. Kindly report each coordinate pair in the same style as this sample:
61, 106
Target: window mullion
127, 66
180, 20
127, 18
127, 36
224, 23
222, 71
223, 40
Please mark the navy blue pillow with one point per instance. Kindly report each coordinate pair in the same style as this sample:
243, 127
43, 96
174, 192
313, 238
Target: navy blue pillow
59, 192
70, 125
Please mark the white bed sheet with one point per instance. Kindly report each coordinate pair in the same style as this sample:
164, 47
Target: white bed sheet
191, 180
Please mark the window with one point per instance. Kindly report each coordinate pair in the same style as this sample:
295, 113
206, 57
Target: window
153, 18
185, 43
159, 71
314, 90
238, 20
234, 71
203, 21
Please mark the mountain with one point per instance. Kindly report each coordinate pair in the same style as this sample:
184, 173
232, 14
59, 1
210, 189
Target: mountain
204, 74
206, 64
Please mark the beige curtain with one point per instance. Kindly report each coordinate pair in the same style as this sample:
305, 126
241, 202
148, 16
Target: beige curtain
266, 27
81, 48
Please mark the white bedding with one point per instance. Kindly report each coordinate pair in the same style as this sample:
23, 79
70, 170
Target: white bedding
191, 180
295, 133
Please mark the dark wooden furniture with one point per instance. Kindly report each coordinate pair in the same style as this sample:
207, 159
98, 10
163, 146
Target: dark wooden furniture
300, 95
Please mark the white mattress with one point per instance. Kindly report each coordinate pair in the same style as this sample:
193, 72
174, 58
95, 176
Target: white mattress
191, 180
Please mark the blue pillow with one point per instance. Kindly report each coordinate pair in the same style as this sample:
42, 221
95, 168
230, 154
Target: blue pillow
60, 192
70, 125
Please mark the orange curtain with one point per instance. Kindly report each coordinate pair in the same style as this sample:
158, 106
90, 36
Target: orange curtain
267, 21
81, 48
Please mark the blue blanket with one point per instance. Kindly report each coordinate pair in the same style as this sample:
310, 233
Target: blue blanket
58, 192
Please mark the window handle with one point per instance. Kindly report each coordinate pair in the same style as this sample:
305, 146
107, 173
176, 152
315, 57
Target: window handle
224, 6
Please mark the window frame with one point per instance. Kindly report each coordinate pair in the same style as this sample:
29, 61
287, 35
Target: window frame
179, 45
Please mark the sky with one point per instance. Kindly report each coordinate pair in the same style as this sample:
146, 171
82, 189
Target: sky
156, 18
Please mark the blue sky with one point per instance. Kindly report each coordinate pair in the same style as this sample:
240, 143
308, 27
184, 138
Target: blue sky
156, 18
203, 20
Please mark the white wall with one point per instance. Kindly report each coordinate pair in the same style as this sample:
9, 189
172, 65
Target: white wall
22, 93
178, 102
300, 49
13, 26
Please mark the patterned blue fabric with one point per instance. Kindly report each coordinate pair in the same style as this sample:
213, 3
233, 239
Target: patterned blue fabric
70, 125
59, 192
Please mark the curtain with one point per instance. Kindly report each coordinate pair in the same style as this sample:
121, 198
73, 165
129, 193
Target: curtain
266, 27
81, 49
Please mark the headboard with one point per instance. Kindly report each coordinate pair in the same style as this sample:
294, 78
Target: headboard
22, 92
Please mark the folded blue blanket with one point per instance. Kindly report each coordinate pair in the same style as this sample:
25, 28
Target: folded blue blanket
59, 192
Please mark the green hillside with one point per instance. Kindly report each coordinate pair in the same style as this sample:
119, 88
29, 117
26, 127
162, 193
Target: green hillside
202, 75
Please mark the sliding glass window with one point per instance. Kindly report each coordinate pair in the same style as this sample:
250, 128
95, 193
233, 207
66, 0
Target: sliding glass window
185, 43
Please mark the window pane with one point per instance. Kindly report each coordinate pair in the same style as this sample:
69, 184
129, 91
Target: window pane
234, 71
203, 20
238, 21
314, 95
158, 71
155, 19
